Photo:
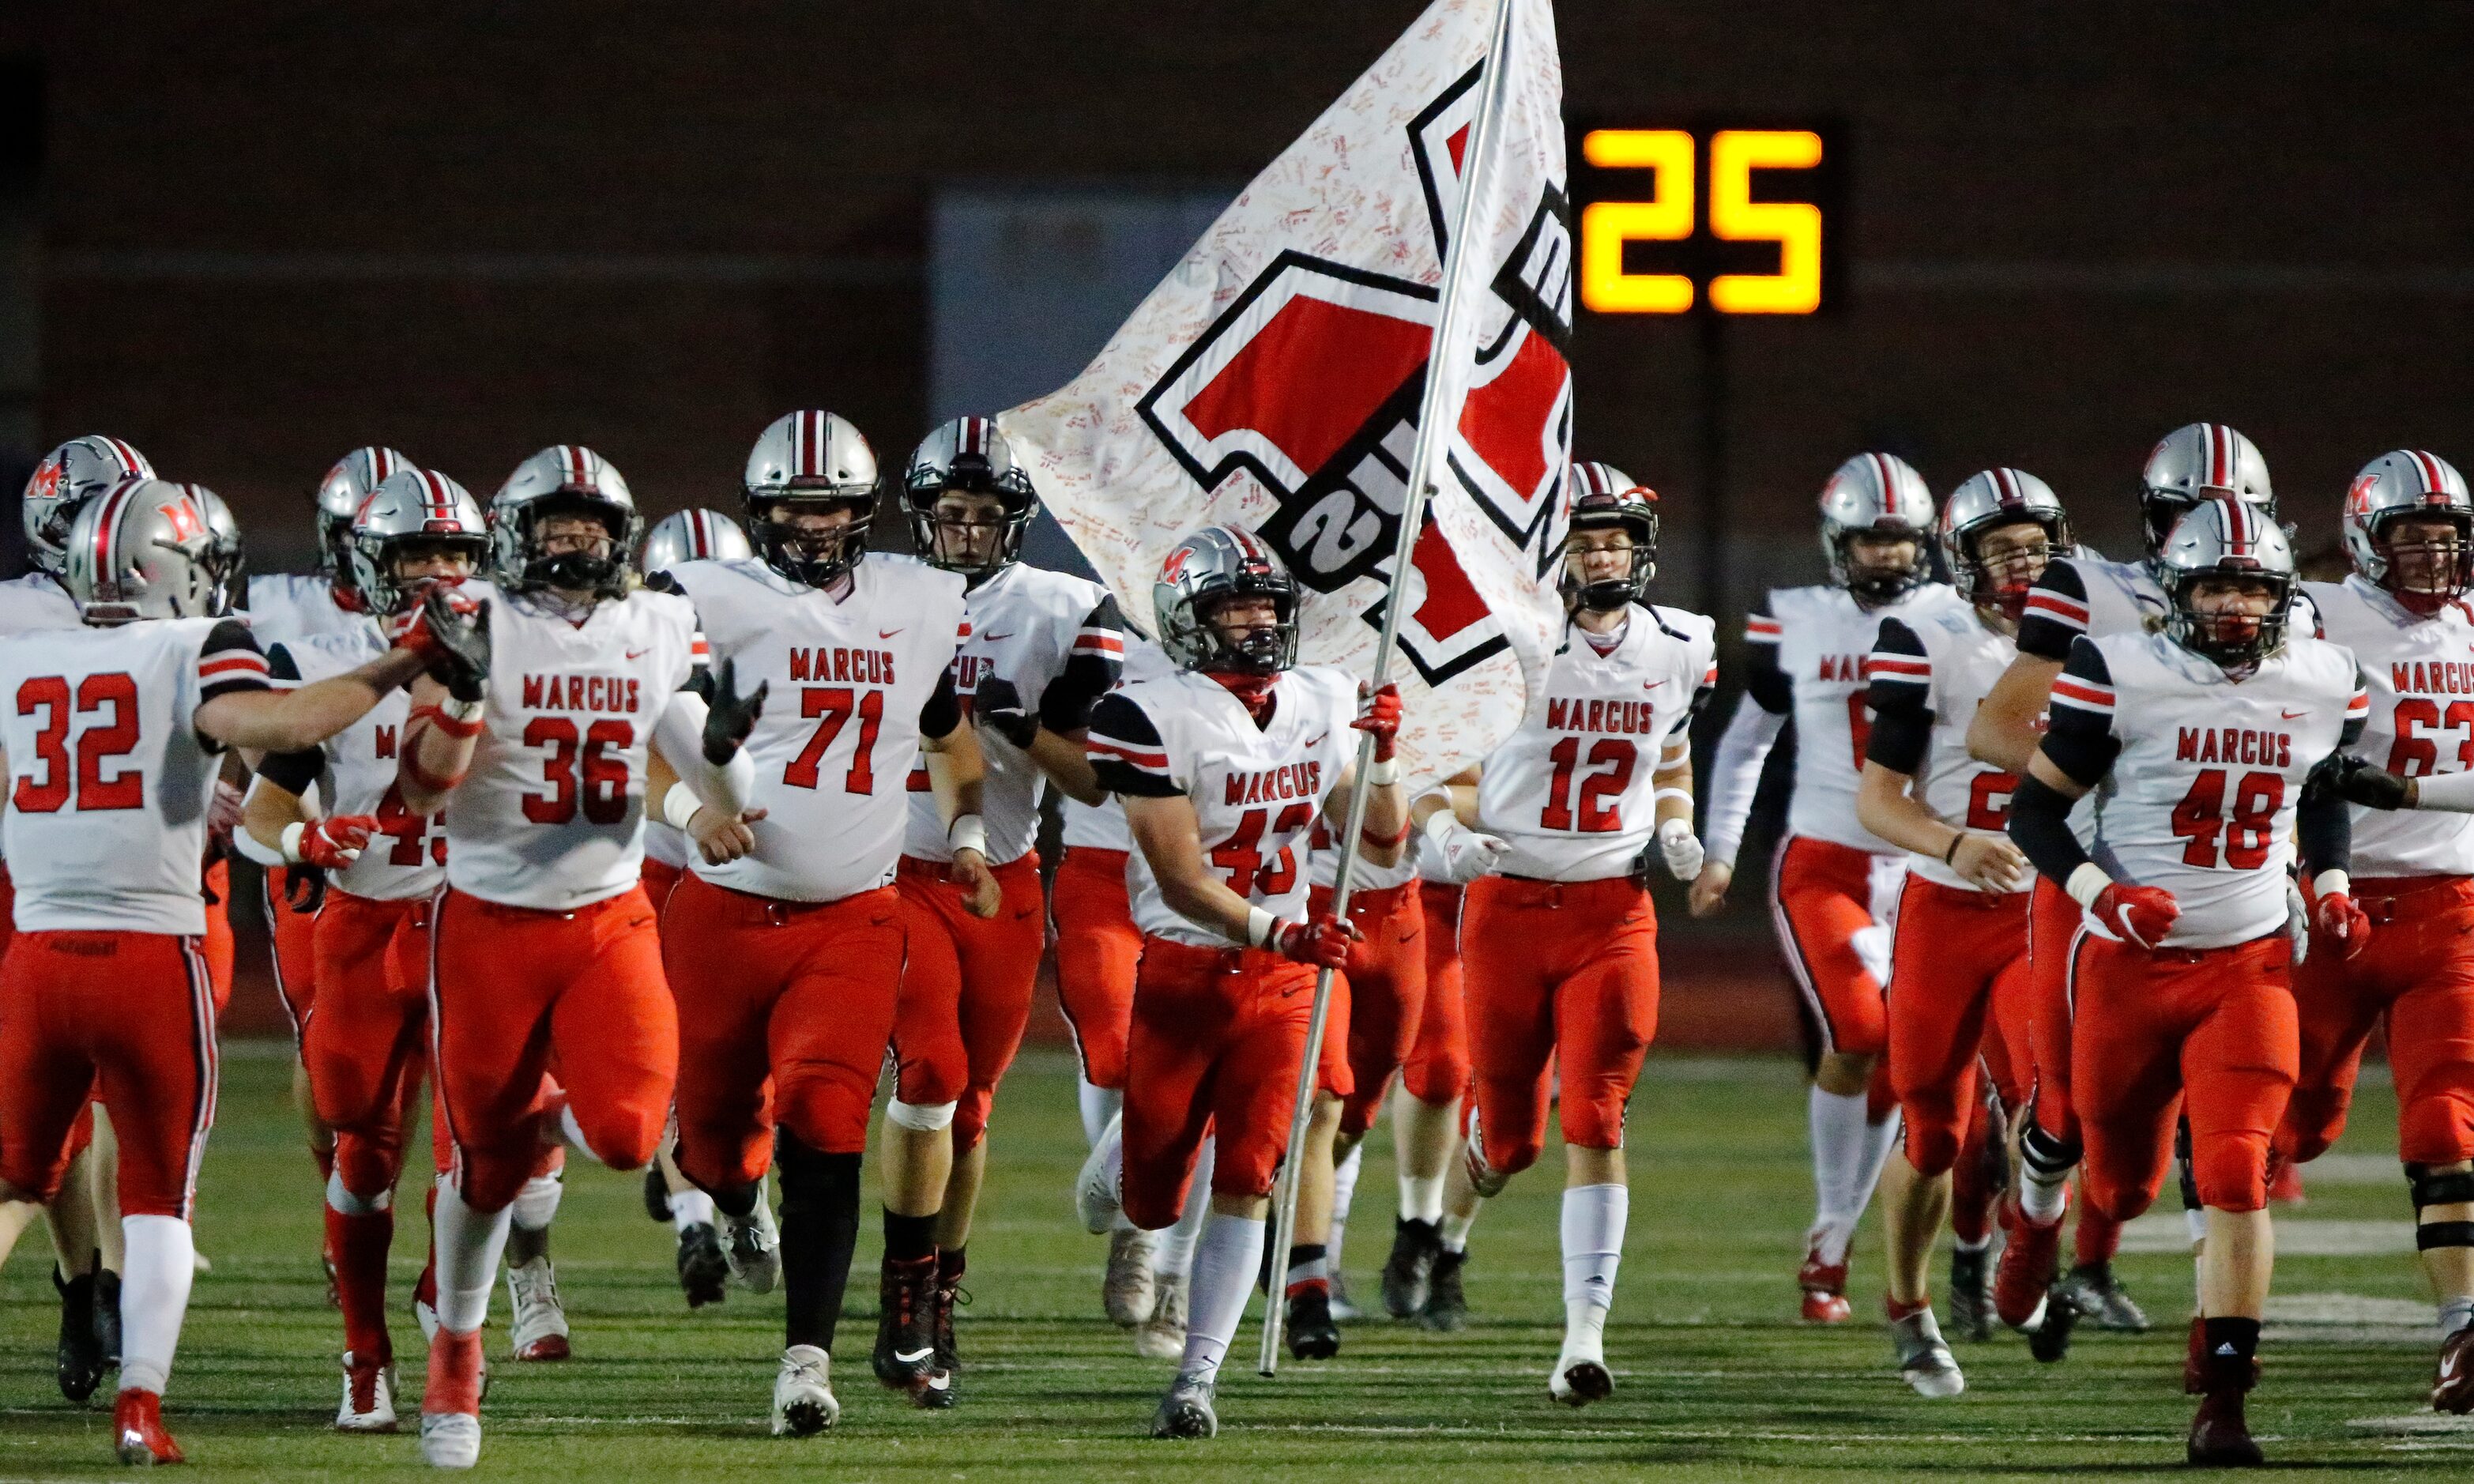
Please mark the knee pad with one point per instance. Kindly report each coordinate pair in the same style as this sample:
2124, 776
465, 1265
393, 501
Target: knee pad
537, 1203
921, 1117
341, 1200
2430, 1189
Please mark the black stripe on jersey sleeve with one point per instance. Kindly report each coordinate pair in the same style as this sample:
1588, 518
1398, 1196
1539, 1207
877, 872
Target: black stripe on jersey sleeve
2358, 713
1766, 683
944, 710
293, 771
1126, 752
2057, 613
1898, 690
2079, 739
1091, 669
231, 662
280, 666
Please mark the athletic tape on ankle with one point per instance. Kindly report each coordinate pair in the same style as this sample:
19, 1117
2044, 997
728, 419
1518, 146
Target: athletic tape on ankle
921, 1117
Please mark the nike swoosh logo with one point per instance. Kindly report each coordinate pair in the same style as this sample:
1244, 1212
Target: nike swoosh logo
2293, 716
887, 633
913, 1357
638, 654
1651, 684
1317, 737
996, 637
2448, 1368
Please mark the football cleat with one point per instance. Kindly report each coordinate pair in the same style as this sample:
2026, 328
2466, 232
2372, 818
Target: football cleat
657, 1193
2051, 1340
2221, 1434
1924, 1360
1410, 1270
106, 1314
1823, 1285
1095, 1188
78, 1360
704, 1271
1971, 1300
942, 1389
2024, 1272
538, 1330
1581, 1375
752, 1245
137, 1433
2194, 1360
369, 1397
1447, 1309
1185, 1412
2102, 1300
450, 1440
451, 1401
803, 1403
2453, 1390
906, 1338
1344, 1309
1312, 1334
1128, 1289
1162, 1336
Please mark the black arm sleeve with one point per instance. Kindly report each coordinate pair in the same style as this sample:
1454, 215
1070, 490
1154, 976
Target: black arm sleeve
1898, 690
2079, 738
944, 710
1091, 669
1127, 753
2057, 613
2040, 823
2324, 823
1767, 684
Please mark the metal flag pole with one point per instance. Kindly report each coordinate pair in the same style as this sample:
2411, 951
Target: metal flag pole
1434, 425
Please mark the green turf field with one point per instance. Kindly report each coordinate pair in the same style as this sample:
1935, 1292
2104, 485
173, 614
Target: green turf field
1716, 1377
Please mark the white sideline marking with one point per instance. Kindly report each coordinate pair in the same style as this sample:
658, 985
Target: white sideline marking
2299, 1236
2330, 1308
2353, 1170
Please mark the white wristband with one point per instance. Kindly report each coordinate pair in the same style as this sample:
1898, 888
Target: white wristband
2332, 883
967, 832
1440, 825
1383, 774
1260, 925
1684, 795
291, 841
679, 806
2087, 883
455, 710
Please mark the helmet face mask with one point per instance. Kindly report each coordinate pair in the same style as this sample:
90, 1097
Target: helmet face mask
1609, 514
982, 534
413, 514
1207, 573
802, 539
2017, 505
1876, 500
2409, 524
807, 464
2229, 570
541, 505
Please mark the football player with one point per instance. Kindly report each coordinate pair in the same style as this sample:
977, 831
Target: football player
374, 865
1959, 957
2180, 976
1832, 882
1224, 768
1560, 948
786, 947
105, 980
2409, 531
2082, 593
542, 944
1041, 647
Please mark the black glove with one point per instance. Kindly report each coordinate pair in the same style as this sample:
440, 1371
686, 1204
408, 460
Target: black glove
2358, 781
732, 715
304, 886
999, 704
459, 642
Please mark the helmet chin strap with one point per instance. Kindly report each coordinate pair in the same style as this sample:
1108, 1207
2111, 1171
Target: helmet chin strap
1252, 691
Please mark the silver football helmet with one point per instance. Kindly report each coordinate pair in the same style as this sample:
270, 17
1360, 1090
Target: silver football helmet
970, 455
811, 458
1876, 494
692, 536
143, 551
411, 510
1206, 568
2227, 538
1605, 496
2201, 461
2410, 483
226, 558
355, 477
566, 478
1996, 497
63, 483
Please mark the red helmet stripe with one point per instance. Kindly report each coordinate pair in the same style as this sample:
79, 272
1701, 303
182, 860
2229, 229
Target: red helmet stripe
2006, 480
2220, 455
107, 530
810, 462
129, 462
2432, 482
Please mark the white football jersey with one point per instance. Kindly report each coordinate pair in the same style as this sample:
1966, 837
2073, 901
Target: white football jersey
285, 606
666, 843
2420, 676
1821, 636
1944, 663
1026, 623
407, 857
551, 814
1255, 790
1323, 865
1570, 791
1101, 826
2209, 776
841, 726
36, 602
106, 811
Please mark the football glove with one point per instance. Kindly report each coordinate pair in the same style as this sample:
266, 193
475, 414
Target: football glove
2137, 915
2335, 915
998, 703
731, 715
1322, 943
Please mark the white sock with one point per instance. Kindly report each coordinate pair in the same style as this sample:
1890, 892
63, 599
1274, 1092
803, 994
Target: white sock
1224, 1263
1176, 1255
1593, 1238
1976, 1246
536, 1205
1455, 1229
690, 1208
153, 1298
1837, 1126
1421, 1198
1880, 1139
2045, 1168
2456, 1312
2194, 1220
345, 1203
1344, 1189
469, 1244
1099, 1106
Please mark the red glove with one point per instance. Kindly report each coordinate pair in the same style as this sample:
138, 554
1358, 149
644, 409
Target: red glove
2337, 915
1380, 719
2139, 915
1322, 943
337, 841
409, 629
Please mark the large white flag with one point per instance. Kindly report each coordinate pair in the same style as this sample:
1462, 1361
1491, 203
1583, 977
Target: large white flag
1274, 380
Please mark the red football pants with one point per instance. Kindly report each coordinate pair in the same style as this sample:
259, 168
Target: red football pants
1387, 993
659, 882
1559, 970
512, 988
1438, 1067
2216, 1026
366, 1038
133, 1013
1218, 1037
1821, 897
785, 1009
1958, 977
1098, 948
2418, 970
966, 989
